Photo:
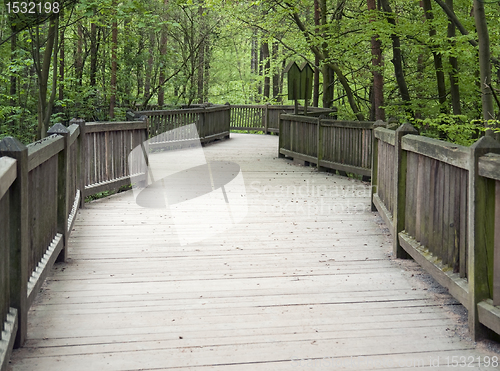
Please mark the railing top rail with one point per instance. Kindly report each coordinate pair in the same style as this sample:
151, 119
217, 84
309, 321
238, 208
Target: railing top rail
348, 124
489, 166
385, 135
96, 127
8, 173
452, 154
74, 131
299, 118
182, 111
44, 149
259, 106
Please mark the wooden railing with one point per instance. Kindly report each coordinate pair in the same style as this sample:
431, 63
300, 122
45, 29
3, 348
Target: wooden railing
43, 185
440, 201
8, 312
339, 145
107, 146
39, 195
266, 117
212, 122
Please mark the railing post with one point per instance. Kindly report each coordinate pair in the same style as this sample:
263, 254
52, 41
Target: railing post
399, 201
266, 117
228, 118
320, 142
374, 176
480, 234
201, 124
280, 136
82, 163
19, 234
62, 188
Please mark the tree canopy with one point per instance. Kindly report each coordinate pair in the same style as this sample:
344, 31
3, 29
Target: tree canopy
435, 62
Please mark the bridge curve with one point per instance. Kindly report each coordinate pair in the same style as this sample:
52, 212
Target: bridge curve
304, 281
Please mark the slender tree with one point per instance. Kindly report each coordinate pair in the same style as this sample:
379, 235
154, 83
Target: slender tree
484, 60
453, 61
438, 61
397, 59
114, 64
377, 63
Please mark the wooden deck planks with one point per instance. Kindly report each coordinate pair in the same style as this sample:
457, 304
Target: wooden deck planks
311, 283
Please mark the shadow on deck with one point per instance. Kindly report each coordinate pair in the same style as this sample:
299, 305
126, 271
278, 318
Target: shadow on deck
304, 282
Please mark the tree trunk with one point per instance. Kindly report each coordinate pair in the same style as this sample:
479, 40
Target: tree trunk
79, 55
484, 60
397, 59
61, 60
282, 80
453, 75
328, 76
315, 102
254, 59
139, 67
206, 66
201, 55
149, 65
114, 47
266, 68
276, 72
453, 18
127, 68
261, 73
420, 77
438, 62
378, 79
43, 68
328, 85
317, 18
323, 56
163, 51
13, 78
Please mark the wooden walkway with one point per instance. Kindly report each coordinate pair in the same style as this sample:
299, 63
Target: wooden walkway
305, 282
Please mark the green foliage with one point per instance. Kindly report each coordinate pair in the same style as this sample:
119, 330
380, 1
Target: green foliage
98, 196
453, 128
170, 39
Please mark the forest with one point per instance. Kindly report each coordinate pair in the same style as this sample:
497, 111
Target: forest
433, 63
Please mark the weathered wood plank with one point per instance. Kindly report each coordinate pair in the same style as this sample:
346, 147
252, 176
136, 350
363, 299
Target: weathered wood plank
74, 132
496, 252
297, 118
446, 152
386, 135
489, 315
43, 150
9, 330
43, 268
8, 174
463, 223
99, 127
489, 166
457, 286
450, 219
347, 124
444, 255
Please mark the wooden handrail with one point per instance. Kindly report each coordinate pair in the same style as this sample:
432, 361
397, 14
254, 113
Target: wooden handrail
445, 213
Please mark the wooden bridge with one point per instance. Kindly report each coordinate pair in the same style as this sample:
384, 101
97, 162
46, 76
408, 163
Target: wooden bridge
305, 281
